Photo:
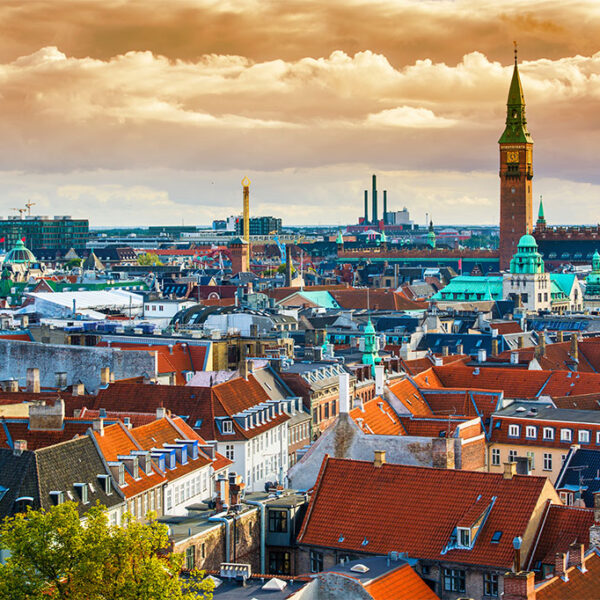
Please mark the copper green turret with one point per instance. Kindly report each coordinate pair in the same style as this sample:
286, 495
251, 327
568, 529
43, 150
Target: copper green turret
516, 124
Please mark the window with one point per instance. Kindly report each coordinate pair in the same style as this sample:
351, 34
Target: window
566, 497
547, 461
597, 437
82, 490
496, 537
490, 584
316, 561
278, 521
513, 431
454, 580
584, 436
279, 563
227, 426
531, 457
548, 433
531, 432
495, 457
190, 558
464, 537
229, 451
566, 435
512, 455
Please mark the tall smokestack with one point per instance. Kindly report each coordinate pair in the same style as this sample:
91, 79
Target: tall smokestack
366, 206
288, 266
374, 196
246, 187
385, 207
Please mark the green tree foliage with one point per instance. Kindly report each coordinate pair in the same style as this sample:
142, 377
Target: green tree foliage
54, 556
74, 262
149, 260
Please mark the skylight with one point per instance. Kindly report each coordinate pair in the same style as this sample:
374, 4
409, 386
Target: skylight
359, 568
496, 537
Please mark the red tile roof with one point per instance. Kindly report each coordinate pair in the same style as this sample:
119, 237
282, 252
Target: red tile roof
579, 585
410, 396
377, 417
560, 527
18, 429
359, 507
400, 584
382, 299
507, 327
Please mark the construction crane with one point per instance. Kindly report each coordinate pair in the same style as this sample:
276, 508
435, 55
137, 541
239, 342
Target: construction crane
29, 205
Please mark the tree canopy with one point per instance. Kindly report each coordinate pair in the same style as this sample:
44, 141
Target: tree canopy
53, 555
149, 260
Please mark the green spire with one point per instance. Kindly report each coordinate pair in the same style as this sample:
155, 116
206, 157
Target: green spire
516, 124
340, 239
431, 235
541, 220
370, 354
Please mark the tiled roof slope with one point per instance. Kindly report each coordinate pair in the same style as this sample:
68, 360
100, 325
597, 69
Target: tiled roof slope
401, 584
410, 396
377, 417
560, 527
359, 507
578, 585
18, 429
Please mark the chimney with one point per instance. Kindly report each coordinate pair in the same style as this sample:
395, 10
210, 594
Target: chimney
560, 566
576, 554
236, 485
514, 358
510, 470
61, 380
379, 379
104, 376
520, 342
442, 453
78, 389
172, 379
519, 586
517, 543
374, 199
11, 385
344, 391
560, 337
379, 458
288, 266
253, 330
222, 490
161, 412
19, 447
542, 345
495, 346
366, 206
244, 368
459, 349
33, 380
98, 426
574, 347
481, 355
170, 348
47, 417
445, 351
384, 207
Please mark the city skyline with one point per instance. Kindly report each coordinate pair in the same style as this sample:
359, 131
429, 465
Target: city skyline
128, 116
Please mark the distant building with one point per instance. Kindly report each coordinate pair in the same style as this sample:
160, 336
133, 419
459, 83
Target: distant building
259, 226
44, 233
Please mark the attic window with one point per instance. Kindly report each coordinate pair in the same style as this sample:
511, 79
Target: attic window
496, 537
464, 537
82, 490
57, 497
227, 426
106, 484
198, 423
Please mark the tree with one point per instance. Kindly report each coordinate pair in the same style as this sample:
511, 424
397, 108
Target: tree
149, 260
56, 556
74, 262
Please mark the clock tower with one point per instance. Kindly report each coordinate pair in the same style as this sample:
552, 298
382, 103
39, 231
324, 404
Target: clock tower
516, 173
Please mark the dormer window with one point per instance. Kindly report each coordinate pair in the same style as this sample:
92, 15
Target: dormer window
566, 435
584, 436
82, 491
548, 433
464, 537
105, 483
57, 497
228, 426
531, 432
513, 431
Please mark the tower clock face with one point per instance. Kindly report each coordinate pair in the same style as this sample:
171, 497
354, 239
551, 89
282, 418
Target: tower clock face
512, 157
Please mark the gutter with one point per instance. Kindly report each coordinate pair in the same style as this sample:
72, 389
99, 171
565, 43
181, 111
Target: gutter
221, 518
262, 531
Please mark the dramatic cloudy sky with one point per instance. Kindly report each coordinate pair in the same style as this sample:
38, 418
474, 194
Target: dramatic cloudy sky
151, 111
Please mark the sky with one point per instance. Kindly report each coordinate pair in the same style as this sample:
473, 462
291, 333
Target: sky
150, 112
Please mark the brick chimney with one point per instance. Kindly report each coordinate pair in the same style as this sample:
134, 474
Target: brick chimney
19, 447
560, 337
78, 389
244, 368
576, 554
33, 380
495, 347
574, 347
10, 385
560, 566
222, 490
161, 412
510, 470
98, 426
519, 586
104, 376
379, 458
47, 417
236, 485
442, 453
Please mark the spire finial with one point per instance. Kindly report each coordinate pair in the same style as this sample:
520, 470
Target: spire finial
516, 50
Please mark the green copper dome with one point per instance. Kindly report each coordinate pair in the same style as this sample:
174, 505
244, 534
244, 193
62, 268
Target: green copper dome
527, 260
19, 255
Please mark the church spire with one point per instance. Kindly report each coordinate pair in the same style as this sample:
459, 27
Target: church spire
541, 220
516, 124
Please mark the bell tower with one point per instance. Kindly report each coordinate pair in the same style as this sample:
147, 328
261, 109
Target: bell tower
516, 173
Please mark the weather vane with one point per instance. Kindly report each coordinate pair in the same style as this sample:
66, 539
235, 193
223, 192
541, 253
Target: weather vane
515, 45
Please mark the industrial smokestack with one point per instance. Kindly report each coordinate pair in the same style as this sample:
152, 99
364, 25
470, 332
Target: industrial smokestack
366, 206
374, 197
385, 207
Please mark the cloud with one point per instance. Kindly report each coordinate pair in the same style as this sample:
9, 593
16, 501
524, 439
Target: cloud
407, 116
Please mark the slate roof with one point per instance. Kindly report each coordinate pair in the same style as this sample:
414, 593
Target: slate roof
55, 468
359, 507
581, 468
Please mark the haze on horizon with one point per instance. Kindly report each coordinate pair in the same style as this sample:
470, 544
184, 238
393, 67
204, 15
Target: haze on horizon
151, 112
